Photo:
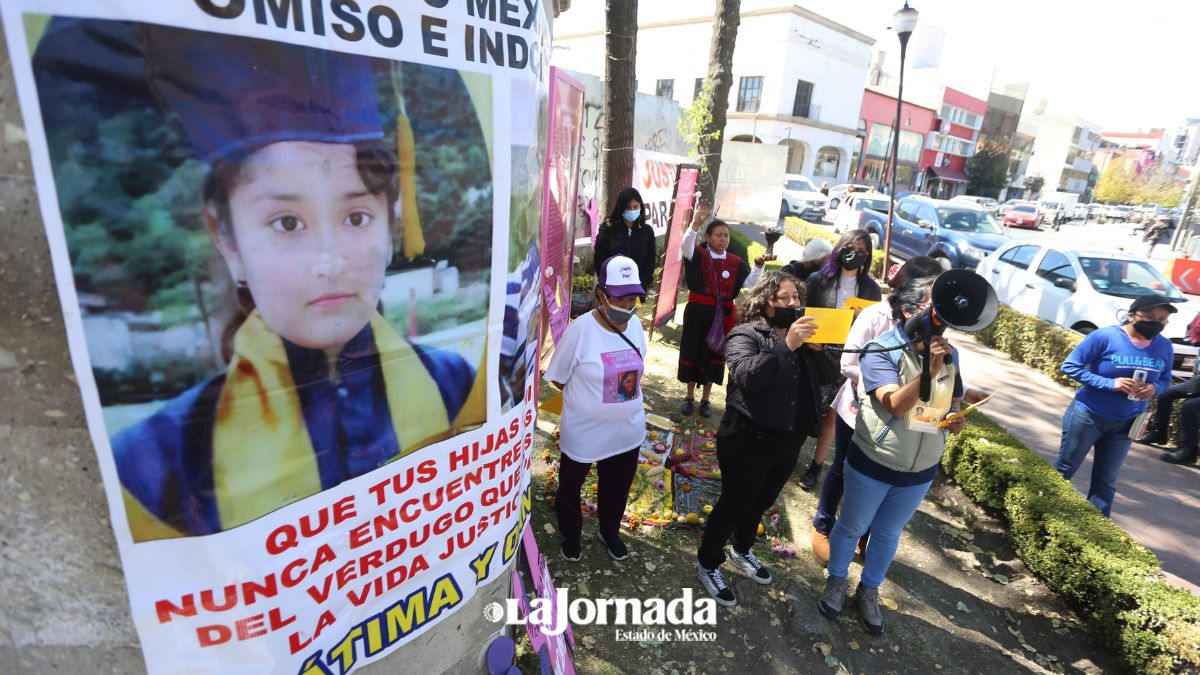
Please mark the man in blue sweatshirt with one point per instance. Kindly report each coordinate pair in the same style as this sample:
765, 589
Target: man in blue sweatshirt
1121, 368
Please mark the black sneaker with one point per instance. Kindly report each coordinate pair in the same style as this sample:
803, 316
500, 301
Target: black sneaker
809, 480
705, 409
714, 583
572, 550
616, 548
1153, 438
750, 565
688, 407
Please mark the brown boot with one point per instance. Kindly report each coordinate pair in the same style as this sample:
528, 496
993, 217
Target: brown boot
820, 547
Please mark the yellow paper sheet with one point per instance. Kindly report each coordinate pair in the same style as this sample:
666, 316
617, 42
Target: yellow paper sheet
833, 325
857, 303
553, 404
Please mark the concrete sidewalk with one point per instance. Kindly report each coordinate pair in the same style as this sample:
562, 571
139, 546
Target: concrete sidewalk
1158, 504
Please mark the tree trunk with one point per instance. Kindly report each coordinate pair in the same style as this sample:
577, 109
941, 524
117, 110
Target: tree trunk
720, 74
620, 91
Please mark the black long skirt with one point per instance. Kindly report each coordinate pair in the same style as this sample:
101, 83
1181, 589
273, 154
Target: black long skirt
698, 363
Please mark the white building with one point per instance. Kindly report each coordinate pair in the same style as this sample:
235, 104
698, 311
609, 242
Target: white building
797, 76
1063, 148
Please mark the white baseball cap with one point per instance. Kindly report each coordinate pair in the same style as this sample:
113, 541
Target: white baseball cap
618, 276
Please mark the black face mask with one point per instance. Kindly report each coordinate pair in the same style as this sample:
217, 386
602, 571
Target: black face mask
785, 316
1149, 329
852, 259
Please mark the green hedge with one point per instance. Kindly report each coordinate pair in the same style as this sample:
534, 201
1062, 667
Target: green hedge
1044, 346
1082, 555
800, 231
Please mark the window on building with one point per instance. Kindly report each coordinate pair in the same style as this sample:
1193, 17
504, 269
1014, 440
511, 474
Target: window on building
802, 106
828, 162
665, 89
699, 86
749, 94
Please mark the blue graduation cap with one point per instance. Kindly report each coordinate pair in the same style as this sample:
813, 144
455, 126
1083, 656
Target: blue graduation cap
233, 93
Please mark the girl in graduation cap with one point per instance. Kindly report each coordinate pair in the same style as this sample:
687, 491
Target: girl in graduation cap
300, 201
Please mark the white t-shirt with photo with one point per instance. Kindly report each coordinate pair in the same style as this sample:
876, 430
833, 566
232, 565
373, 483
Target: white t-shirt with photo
602, 411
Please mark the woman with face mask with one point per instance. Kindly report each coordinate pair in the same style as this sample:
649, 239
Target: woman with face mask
598, 366
846, 274
626, 232
714, 277
771, 407
1121, 368
894, 454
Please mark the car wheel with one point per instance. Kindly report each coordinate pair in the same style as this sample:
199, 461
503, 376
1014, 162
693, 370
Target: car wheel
833, 203
1083, 328
944, 262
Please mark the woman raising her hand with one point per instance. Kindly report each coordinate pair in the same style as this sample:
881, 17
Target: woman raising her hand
715, 276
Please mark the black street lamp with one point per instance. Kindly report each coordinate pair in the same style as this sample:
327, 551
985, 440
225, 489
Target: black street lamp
904, 21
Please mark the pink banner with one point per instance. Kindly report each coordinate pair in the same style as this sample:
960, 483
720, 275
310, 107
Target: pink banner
559, 191
681, 217
557, 647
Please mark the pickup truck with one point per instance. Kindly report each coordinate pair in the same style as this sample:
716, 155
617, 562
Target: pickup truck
954, 234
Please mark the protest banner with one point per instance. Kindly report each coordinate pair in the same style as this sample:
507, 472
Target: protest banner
654, 175
558, 201
287, 238
682, 204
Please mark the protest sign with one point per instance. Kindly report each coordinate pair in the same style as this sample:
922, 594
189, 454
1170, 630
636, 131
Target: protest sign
654, 175
287, 237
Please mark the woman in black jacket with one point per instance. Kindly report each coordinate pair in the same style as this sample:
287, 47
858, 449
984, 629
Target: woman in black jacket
771, 406
625, 232
845, 274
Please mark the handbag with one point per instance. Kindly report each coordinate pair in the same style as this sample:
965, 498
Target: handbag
715, 339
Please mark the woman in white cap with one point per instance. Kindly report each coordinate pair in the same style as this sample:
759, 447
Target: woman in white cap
816, 250
598, 366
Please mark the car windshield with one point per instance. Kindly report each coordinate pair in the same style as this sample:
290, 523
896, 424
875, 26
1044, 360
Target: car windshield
864, 203
1025, 208
1050, 205
799, 184
968, 220
1127, 278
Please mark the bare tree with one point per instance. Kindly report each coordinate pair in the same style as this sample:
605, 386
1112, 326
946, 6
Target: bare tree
713, 108
620, 91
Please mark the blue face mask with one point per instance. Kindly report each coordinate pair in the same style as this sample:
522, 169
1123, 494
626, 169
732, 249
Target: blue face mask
631, 216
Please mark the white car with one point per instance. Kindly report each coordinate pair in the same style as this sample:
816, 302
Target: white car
848, 215
801, 198
1084, 290
840, 191
986, 203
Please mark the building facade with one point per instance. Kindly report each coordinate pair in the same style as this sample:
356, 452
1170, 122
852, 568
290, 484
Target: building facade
951, 142
1063, 150
797, 76
874, 155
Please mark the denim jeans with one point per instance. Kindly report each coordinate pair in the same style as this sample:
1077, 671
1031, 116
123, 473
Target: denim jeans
834, 484
1083, 431
883, 509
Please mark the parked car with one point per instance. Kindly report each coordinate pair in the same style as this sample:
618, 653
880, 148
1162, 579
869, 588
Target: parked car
1007, 206
1082, 289
1023, 214
986, 203
850, 215
801, 198
1080, 212
1121, 213
954, 234
837, 193
1052, 211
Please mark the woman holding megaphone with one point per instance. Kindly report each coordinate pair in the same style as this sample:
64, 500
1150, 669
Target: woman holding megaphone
771, 407
893, 456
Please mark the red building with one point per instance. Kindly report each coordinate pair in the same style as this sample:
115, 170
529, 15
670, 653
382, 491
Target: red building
950, 142
873, 157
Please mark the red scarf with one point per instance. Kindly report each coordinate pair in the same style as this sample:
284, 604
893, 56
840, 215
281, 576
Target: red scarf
725, 272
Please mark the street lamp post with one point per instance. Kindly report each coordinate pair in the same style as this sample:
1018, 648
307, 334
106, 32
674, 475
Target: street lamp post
904, 21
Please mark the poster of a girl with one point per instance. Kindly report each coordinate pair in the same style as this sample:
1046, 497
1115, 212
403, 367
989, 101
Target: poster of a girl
301, 202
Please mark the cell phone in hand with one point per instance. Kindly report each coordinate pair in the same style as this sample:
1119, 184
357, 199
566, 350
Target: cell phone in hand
1139, 378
